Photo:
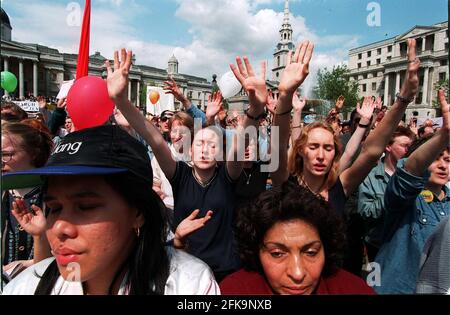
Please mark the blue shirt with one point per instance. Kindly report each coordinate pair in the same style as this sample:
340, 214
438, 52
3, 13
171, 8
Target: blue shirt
409, 221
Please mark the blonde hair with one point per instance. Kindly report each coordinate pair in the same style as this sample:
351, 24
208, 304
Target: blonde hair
295, 160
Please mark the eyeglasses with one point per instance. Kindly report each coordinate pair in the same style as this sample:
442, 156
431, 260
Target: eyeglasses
164, 119
8, 155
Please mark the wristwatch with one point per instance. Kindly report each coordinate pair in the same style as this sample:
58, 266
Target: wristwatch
404, 100
263, 115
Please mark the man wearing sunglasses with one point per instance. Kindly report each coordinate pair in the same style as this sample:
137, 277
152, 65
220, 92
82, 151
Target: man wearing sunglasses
164, 125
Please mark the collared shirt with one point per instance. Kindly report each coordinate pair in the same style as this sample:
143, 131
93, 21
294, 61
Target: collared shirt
409, 221
188, 276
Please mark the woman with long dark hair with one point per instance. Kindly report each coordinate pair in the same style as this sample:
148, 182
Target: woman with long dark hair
106, 227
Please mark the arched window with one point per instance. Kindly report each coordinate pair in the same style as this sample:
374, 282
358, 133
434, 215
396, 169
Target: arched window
285, 36
278, 61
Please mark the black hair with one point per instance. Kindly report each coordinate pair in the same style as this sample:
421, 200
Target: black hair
291, 203
148, 265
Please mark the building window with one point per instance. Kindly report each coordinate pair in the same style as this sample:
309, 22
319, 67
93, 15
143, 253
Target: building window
374, 86
369, 54
404, 49
442, 76
368, 63
365, 76
390, 48
190, 95
359, 65
278, 74
199, 95
364, 87
278, 60
379, 51
446, 46
378, 61
444, 62
359, 56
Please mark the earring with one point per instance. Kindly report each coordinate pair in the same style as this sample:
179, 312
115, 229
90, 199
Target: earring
138, 232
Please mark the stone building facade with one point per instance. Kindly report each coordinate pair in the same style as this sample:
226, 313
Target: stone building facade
380, 67
41, 70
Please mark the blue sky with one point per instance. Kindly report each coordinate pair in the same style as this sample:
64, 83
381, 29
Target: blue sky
206, 35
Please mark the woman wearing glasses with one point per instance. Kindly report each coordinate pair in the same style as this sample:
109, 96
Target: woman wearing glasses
24, 146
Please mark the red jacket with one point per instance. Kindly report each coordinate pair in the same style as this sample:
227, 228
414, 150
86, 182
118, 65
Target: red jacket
245, 282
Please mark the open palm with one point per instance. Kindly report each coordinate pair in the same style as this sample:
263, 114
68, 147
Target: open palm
117, 79
297, 68
214, 104
254, 85
367, 108
33, 224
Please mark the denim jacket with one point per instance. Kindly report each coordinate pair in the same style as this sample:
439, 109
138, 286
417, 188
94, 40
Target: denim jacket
371, 203
409, 221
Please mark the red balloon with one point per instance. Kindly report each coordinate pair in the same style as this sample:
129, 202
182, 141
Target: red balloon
88, 103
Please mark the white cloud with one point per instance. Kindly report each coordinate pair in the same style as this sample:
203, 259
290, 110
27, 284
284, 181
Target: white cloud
221, 29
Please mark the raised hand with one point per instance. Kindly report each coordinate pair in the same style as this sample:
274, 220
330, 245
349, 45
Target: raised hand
189, 226
62, 103
214, 104
411, 85
445, 113
366, 109
33, 224
272, 101
297, 68
254, 85
171, 87
378, 103
413, 126
117, 79
298, 103
340, 103
41, 101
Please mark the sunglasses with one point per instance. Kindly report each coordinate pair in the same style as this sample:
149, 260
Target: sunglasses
165, 119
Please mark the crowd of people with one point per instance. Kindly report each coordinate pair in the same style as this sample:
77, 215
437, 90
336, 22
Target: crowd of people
218, 202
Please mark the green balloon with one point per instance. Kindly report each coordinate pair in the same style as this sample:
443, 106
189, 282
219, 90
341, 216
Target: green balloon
9, 81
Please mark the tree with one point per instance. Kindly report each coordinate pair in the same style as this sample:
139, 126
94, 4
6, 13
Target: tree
334, 83
441, 85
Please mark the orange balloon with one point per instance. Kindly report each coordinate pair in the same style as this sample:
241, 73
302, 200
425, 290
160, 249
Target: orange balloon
154, 97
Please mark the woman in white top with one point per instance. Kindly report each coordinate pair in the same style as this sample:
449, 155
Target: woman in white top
105, 225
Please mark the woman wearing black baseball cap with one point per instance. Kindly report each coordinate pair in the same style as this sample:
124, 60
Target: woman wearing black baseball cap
106, 227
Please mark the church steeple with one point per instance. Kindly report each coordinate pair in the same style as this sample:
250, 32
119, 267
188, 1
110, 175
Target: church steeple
286, 29
284, 45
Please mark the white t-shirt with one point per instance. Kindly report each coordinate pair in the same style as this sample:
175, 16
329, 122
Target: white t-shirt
188, 276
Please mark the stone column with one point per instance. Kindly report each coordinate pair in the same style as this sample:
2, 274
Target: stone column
21, 94
425, 86
386, 90
6, 68
138, 94
397, 82
129, 90
423, 44
35, 78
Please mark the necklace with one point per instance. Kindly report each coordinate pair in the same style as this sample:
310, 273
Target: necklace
200, 182
249, 176
304, 184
